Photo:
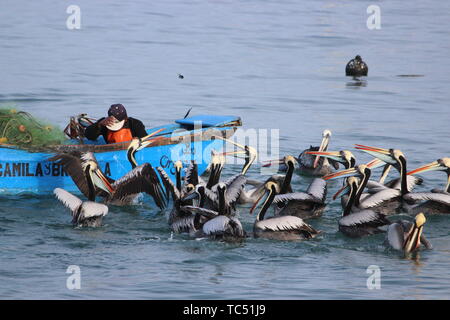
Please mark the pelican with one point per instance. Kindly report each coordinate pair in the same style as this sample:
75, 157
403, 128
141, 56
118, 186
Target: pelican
84, 214
282, 227
366, 200
84, 170
345, 157
357, 223
356, 67
316, 166
179, 220
305, 205
436, 201
250, 155
312, 165
398, 188
221, 223
407, 236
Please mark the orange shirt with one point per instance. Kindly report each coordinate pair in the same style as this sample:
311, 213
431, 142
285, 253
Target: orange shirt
121, 135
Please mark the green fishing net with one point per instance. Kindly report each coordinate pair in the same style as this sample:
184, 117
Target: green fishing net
21, 129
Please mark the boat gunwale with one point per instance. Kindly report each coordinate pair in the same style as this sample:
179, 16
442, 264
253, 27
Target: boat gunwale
206, 134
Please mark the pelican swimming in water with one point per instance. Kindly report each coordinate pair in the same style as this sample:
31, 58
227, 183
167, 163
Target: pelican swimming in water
395, 193
84, 170
301, 204
179, 220
436, 201
305, 205
221, 223
377, 192
279, 228
344, 157
356, 67
84, 214
407, 236
309, 164
357, 223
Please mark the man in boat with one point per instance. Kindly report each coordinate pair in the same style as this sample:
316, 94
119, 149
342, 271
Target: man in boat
117, 127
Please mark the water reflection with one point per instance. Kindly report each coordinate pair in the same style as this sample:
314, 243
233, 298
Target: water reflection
356, 83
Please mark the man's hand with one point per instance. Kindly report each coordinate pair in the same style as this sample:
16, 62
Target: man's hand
107, 121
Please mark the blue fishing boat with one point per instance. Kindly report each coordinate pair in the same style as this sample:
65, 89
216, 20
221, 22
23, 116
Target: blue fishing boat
27, 170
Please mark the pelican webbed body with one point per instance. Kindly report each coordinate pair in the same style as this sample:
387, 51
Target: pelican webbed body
407, 236
357, 223
84, 214
282, 227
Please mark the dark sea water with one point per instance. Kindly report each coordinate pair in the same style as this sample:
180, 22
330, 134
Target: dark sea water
278, 65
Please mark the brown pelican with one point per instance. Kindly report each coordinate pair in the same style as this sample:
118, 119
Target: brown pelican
356, 67
436, 201
301, 204
137, 144
309, 164
221, 223
90, 180
345, 157
309, 204
356, 223
179, 220
363, 172
407, 236
84, 214
282, 227
398, 188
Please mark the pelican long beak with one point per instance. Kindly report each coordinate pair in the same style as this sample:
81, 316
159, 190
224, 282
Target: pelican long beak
323, 147
101, 182
375, 163
412, 241
152, 134
333, 155
380, 153
191, 196
343, 191
433, 166
257, 201
146, 141
272, 162
230, 141
342, 174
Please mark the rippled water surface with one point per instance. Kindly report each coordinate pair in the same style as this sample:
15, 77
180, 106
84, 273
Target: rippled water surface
278, 65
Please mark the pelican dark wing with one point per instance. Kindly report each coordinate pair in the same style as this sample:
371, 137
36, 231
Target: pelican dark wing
69, 200
168, 184
411, 182
296, 196
396, 236
428, 196
204, 212
235, 185
285, 223
191, 176
363, 218
143, 178
86, 213
379, 198
318, 189
223, 226
72, 164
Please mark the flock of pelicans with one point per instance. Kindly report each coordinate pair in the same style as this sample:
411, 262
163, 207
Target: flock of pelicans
206, 207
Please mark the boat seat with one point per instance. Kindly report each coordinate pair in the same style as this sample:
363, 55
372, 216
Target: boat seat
205, 121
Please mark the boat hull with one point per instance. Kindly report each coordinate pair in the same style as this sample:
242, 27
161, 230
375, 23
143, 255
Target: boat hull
23, 171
